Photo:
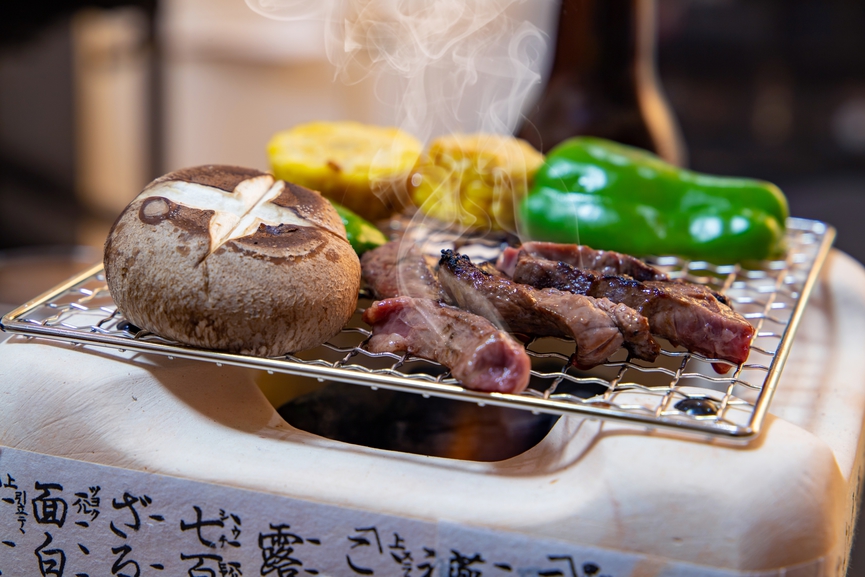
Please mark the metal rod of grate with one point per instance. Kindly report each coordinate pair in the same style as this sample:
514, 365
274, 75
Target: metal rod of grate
680, 390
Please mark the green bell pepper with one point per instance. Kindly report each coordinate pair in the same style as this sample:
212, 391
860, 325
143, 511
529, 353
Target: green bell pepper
361, 234
616, 197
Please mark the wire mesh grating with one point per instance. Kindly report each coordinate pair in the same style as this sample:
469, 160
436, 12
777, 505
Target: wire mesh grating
680, 390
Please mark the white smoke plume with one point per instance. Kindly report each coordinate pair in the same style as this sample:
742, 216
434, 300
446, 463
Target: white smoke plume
441, 66
427, 56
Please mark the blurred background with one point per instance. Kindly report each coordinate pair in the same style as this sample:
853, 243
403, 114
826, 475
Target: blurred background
99, 97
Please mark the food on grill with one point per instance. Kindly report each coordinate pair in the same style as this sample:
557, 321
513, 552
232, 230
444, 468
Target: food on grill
685, 314
602, 262
616, 197
634, 328
581, 256
479, 355
364, 168
361, 234
399, 269
228, 258
548, 312
474, 180
418, 322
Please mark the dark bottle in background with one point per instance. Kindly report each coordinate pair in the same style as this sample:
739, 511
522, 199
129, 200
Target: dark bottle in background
604, 81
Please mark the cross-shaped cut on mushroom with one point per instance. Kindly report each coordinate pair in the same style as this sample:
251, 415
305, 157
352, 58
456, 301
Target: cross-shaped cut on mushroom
237, 213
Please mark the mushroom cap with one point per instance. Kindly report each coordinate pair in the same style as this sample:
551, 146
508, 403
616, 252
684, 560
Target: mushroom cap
228, 258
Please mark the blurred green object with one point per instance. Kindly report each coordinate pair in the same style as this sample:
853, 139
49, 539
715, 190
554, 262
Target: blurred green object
361, 233
615, 197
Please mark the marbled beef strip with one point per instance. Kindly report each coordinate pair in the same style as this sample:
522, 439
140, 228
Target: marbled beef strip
601, 262
479, 355
606, 262
399, 269
685, 314
533, 312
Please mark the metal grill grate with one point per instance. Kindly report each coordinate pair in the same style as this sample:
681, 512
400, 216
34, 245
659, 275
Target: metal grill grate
679, 390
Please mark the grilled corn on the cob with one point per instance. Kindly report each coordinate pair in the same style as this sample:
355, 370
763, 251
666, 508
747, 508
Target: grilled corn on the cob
475, 180
361, 167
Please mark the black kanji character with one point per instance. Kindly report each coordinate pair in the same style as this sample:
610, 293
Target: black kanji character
223, 518
276, 550
363, 541
397, 542
557, 573
88, 504
10, 482
199, 569
48, 510
427, 566
357, 569
122, 564
223, 541
230, 569
460, 565
402, 557
51, 561
235, 529
589, 569
21, 509
427, 569
128, 503
199, 523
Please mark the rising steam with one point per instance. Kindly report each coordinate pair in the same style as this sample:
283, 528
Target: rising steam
442, 66
428, 56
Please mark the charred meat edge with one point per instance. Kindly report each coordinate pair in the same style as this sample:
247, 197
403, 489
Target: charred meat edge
685, 314
601, 262
604, 261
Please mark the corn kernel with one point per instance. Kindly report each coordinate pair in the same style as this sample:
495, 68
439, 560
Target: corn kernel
474, 180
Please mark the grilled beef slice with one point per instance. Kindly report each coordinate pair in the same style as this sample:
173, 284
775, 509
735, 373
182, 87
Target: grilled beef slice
605, 262
634, 328
479, 355
601, 262
547, 312
685, 314
399, 269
